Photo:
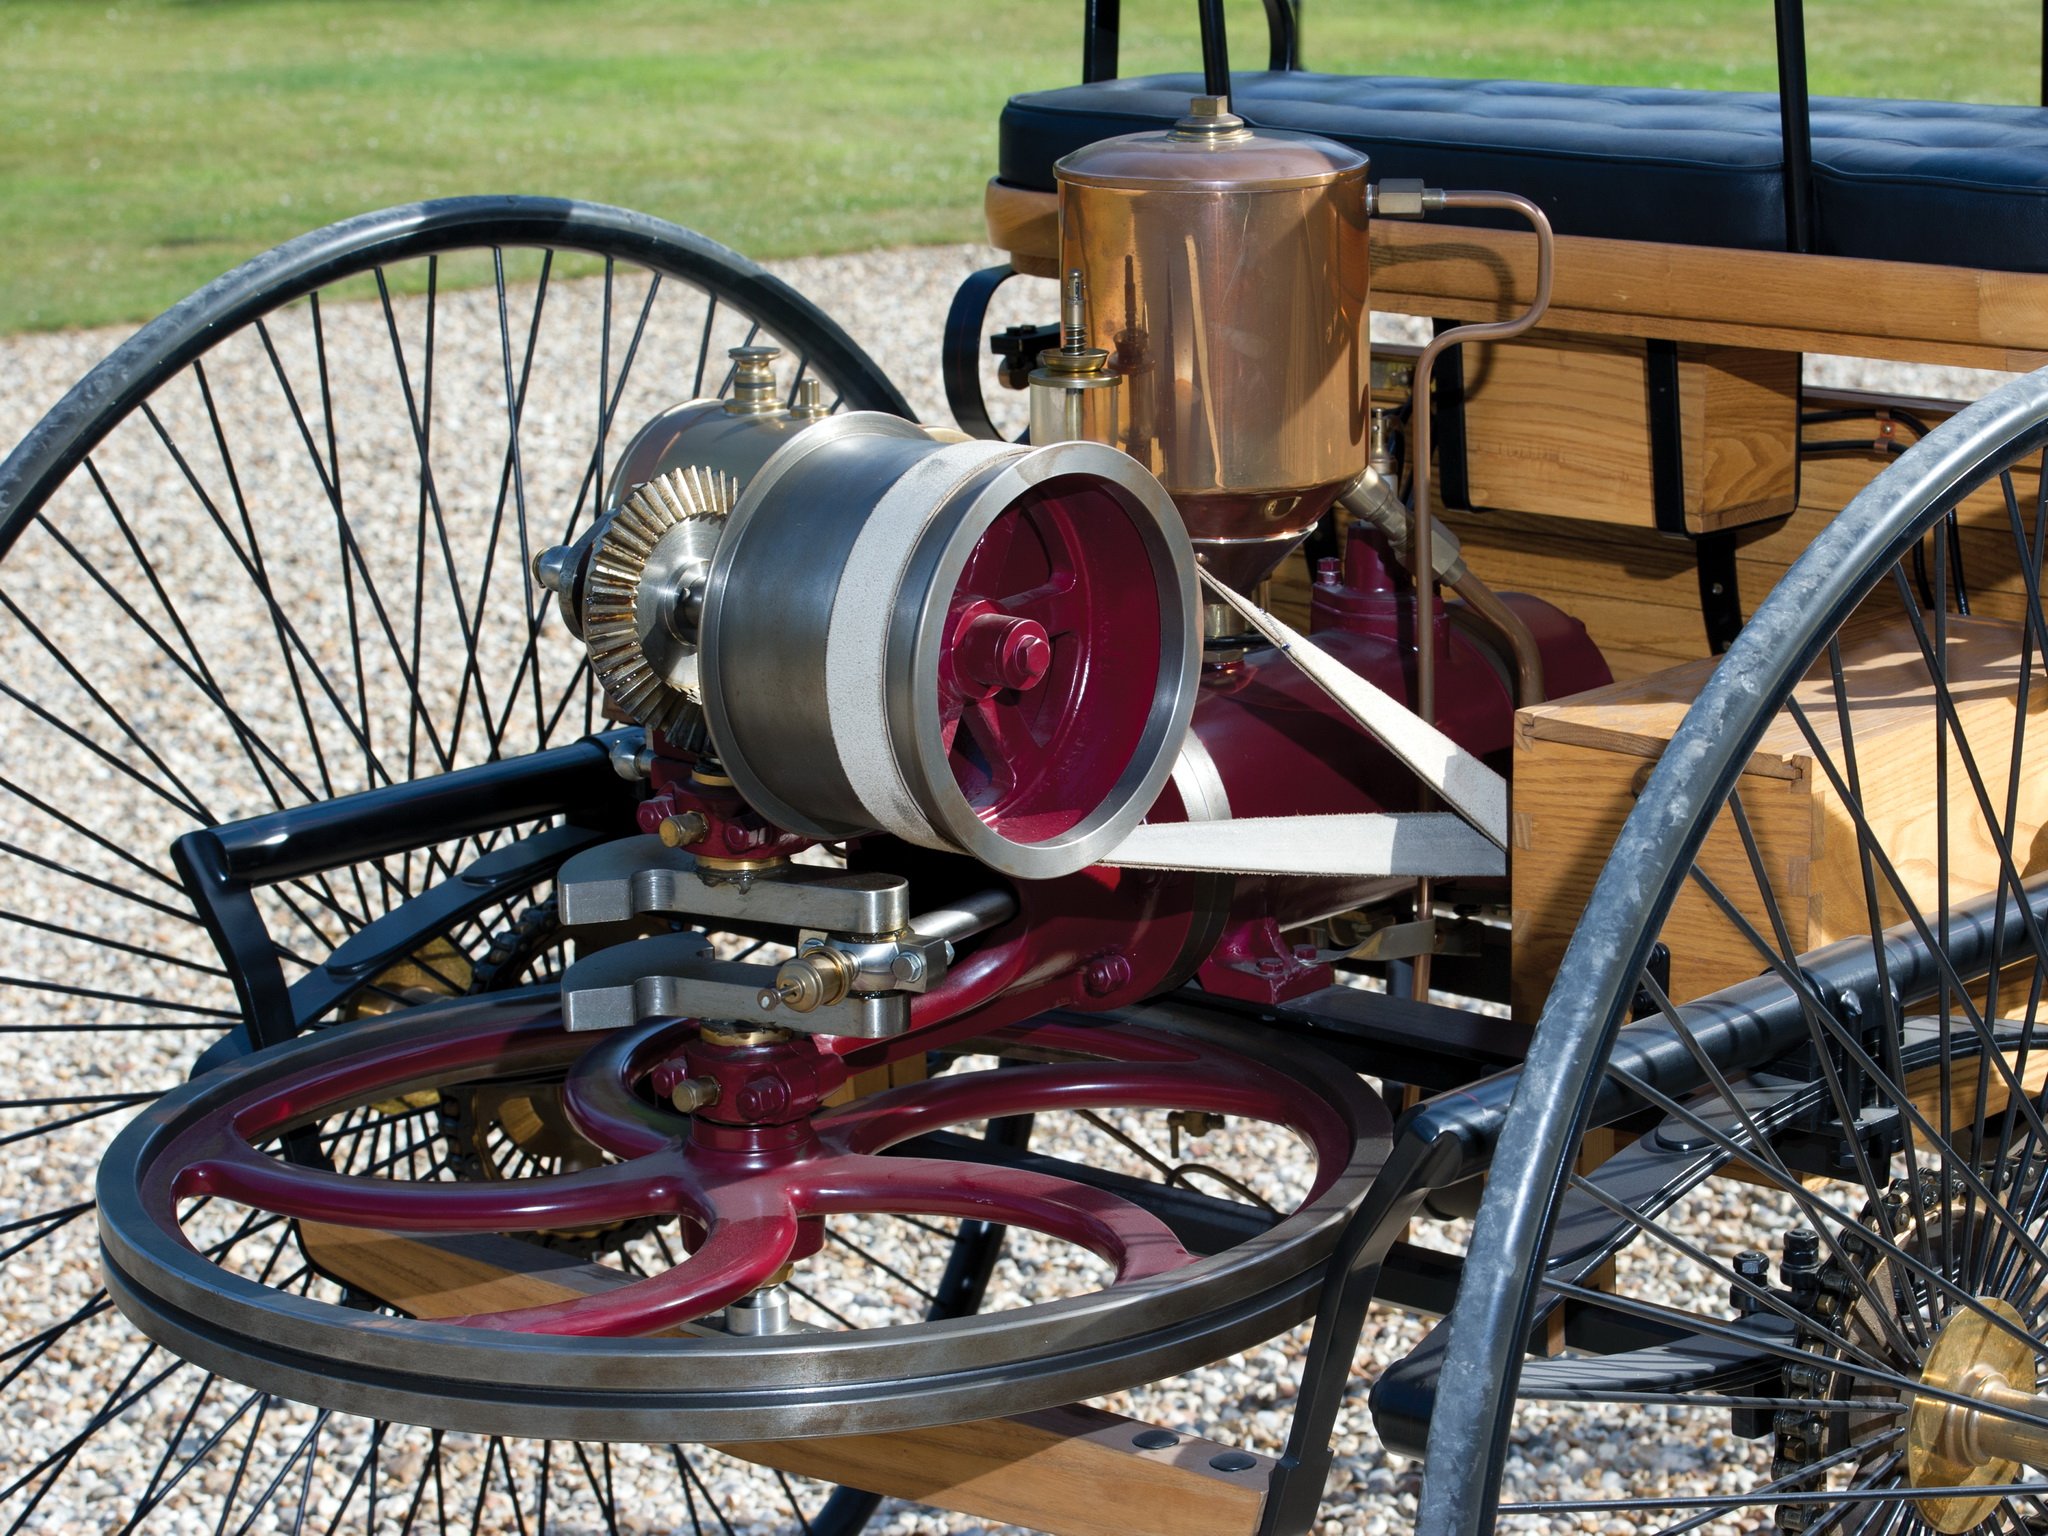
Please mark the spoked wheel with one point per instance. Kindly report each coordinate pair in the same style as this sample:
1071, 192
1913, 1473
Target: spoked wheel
1809, 1292
274, 552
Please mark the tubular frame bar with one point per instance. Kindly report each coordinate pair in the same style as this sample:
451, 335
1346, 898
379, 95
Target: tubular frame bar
1795, 119
222, 867
1102, 26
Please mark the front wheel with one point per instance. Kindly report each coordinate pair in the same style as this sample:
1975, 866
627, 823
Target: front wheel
1802, 1283
274, 551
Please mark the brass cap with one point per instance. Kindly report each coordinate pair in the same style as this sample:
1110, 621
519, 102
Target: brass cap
1211, 151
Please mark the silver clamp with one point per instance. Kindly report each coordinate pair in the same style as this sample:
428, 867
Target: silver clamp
860, 955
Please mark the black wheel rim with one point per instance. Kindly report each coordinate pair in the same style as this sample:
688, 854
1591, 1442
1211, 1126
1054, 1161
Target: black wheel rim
1933, 1220
274, 550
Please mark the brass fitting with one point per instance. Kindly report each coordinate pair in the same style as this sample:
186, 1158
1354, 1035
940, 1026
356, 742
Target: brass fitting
1210, 117
1073, 394
754, 391
1992, 1364
694, 1093
732, 1036
810, 402
681, 831
817, 978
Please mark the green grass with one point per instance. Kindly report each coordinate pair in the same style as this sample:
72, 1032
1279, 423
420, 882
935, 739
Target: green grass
148, 145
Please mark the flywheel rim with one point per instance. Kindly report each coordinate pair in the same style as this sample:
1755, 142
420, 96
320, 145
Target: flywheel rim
899, 1376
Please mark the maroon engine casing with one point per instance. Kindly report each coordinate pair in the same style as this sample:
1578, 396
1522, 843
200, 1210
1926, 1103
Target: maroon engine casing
1269, 743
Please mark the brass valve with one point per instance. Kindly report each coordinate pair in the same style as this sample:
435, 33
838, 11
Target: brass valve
817, 978
754, 390
1073, 393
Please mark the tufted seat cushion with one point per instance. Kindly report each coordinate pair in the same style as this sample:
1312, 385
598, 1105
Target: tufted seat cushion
1953, 183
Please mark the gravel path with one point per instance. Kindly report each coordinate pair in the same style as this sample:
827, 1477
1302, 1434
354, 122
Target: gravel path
893, 303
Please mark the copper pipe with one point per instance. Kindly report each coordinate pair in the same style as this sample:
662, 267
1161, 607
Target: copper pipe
1423, 513
1486, 603
1491, 330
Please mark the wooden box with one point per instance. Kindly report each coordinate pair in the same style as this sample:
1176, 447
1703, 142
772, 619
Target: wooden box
1579, 763
1563, 425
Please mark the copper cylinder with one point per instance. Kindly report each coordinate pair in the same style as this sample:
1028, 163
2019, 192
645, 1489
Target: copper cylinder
1226, 270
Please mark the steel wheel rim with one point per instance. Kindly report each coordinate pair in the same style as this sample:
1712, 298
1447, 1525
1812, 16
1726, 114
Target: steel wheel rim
906, 1376
1791, 631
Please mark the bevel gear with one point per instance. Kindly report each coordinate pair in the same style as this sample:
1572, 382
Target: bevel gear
648, 562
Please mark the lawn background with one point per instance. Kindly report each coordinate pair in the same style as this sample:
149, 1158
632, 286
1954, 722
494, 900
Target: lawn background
146, 146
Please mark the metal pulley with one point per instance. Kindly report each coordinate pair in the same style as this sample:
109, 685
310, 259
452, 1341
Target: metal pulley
973, 646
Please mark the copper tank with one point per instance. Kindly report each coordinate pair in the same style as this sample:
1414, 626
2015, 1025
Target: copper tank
1226, 273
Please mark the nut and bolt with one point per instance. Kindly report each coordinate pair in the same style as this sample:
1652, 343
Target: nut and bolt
1106, 973
1799, 1265
761, 1098
1754, 1266
908, 968
682, 830
999, 650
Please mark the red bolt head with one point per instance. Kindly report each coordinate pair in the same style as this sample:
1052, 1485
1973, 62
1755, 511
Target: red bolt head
996, 650
1305, 953
762, 1097
663, 1079
1105, 973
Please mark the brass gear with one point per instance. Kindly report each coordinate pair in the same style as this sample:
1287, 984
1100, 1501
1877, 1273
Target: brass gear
643, 560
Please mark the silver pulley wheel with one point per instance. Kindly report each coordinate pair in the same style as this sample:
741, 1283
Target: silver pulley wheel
973, 646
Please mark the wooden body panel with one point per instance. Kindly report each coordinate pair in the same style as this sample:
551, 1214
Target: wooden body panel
1580, 762
1560, 425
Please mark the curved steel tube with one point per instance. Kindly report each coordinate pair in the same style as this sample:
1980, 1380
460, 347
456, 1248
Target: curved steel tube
1425, 365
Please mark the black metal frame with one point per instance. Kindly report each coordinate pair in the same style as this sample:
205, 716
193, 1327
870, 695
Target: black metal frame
1102, 22
223, 867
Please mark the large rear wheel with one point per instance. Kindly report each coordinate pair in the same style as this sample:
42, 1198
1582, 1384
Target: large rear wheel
1800, 1279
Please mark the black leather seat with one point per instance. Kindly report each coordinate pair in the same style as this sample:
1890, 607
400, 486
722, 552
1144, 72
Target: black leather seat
1954, 183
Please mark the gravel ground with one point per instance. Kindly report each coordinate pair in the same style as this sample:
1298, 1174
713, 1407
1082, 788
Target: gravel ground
274, 527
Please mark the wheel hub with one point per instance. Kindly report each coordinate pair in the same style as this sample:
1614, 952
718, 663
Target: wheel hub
1949, 1445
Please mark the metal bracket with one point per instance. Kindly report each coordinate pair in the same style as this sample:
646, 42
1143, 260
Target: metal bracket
1453, 476
1720, 596
677, 976
1714, 551
1667, 436
856, 966
636, 876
